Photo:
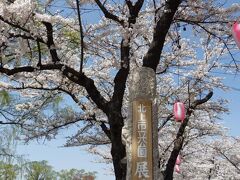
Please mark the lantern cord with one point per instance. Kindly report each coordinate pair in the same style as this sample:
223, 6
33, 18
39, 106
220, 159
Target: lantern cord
179, 47
81, 36
189, 95
178, 78
178, 73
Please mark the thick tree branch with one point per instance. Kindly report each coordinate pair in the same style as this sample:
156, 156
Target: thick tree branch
116, 123
168, 173
121, 76
165, 122
107, 14
79, 78
105, 130
152, 58
50, 42
14, 25
39, 54
201, 101
134, 10
24, 36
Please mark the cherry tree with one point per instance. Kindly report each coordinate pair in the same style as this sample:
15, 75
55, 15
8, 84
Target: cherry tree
70, 69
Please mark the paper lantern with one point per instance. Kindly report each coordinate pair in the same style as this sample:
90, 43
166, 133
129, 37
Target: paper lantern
179, 111
236, 33
178, 160
177, 169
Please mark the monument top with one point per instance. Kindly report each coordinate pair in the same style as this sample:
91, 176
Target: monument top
143, 84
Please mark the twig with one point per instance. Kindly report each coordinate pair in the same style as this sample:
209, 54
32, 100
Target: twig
81, 35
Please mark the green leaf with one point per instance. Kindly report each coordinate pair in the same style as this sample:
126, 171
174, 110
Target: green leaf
4, 98
56, 101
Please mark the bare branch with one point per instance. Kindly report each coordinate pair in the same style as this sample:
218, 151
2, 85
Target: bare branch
81, 35
108, 14
229, 160
199, 24
10, 123
53, 127
39, 54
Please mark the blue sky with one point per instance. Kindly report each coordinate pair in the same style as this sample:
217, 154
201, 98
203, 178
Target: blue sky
64, 158
232, 119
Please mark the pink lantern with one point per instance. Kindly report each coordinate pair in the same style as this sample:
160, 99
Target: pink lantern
179, 111
177, 169
178, 160
236, 33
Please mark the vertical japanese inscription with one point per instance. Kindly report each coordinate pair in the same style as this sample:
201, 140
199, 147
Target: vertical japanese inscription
142, 156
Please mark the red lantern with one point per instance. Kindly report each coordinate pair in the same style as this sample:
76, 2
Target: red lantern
178, 160
236, 33
179, 111
177, 169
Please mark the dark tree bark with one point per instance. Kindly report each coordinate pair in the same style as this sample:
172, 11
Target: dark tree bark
50, 42
152, 58
118, 150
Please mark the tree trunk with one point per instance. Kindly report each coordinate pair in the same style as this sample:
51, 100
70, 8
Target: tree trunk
171, 163
118, 150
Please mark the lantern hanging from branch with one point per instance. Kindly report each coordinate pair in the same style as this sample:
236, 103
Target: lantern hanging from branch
177, 169
178, 160
179, 111
236, 33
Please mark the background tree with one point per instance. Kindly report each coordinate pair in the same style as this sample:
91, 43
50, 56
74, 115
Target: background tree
8, 144
48, 54
74, 174
40, 171
8, 171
